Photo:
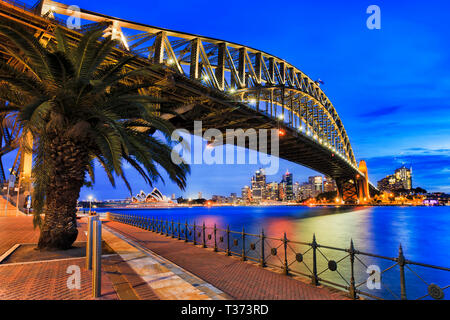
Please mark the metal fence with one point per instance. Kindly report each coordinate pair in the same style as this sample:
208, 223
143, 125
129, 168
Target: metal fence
356, 272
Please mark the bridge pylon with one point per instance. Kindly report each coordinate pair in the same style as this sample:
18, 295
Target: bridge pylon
355, 190
363, 183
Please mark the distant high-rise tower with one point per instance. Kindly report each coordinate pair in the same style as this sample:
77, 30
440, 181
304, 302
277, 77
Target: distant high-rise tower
246, 194
316, 183
404, 175
288, 186
259, 185
329, 184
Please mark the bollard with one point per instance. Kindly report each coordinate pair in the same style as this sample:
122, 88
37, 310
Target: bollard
97, 259
89, 243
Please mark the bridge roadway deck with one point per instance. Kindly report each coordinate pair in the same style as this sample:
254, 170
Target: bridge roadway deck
238, 279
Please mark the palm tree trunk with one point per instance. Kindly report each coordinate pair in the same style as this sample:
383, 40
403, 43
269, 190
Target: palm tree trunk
68, 160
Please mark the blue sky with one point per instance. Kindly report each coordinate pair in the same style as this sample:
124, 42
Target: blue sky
391, 87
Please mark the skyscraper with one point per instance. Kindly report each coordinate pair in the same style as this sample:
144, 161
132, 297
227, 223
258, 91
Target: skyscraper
272, 191
259, 185
246, 194
404, 175
288, 186
329, 184
401, 179
316, 183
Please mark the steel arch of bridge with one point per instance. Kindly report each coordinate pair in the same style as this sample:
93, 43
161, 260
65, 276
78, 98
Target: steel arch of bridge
268, 83
260, 86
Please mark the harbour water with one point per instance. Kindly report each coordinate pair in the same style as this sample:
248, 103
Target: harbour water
423, 232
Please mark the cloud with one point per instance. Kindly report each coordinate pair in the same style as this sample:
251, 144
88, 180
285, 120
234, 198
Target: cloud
383, 111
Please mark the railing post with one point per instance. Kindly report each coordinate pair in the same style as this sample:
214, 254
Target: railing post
204, 236
215, 238
262, 262
186, 232
228, 241
161, 226
153, 224
352, 288
179, 230
167, 228
173, 235
286, 265
243, 245
315, 278
195, 236
401, 264
97, 259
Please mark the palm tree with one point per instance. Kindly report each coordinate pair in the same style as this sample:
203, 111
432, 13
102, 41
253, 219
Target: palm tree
81, 109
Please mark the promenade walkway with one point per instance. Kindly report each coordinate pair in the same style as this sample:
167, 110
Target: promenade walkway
45, 279
238, 279
129, 273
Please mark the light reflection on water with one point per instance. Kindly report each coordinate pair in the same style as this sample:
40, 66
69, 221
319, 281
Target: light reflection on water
424, 233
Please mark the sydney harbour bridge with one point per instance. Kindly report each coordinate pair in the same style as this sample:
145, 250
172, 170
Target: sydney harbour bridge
224, 84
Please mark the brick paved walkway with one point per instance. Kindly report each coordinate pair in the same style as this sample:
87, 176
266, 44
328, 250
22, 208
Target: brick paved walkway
42, 280
48, 281
238, 279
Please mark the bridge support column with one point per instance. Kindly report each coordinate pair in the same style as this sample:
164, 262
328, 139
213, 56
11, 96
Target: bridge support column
363, 183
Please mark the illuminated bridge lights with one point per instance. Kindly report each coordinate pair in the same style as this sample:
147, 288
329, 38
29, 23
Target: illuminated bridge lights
234, 69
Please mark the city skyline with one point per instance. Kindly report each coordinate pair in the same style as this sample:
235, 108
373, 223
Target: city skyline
397, 115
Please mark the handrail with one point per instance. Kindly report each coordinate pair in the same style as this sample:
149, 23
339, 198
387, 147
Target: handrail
284, 254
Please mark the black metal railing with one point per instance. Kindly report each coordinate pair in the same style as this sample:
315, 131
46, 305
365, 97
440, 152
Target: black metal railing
345, 268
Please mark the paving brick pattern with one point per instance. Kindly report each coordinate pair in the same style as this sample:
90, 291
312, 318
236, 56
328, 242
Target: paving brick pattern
128, 284
42, 280
20, 230
48, 281
238, 279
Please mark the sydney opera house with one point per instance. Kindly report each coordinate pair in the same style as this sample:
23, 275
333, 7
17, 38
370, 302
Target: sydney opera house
153, 197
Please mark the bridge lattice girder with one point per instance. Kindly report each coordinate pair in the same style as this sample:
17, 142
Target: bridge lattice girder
245, 76
250, 74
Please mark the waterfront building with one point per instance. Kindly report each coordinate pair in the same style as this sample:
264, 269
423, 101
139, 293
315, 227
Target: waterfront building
154, 196
306, 191
288, 186
404, 175
246, 194
258, 183
281, 192
296, 191
219, 199
272, 191
401, 179
316, 183
329, 185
